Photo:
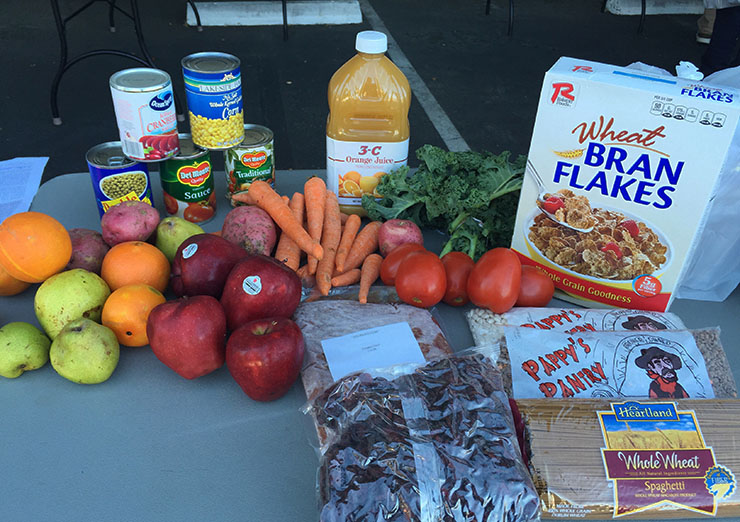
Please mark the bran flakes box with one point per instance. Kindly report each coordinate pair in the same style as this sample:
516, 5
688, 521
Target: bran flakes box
628, 163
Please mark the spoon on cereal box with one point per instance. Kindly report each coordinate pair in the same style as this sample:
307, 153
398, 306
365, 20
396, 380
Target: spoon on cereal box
564, 207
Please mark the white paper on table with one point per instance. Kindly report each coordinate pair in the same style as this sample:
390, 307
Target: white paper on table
20, 178
372, 348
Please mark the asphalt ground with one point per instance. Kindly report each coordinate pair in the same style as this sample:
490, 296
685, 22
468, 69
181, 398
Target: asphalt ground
486, 82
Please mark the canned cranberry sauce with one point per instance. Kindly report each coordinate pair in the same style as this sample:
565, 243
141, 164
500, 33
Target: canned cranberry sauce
145, 112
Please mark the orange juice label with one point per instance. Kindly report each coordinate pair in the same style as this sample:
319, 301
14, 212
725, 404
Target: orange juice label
354, 168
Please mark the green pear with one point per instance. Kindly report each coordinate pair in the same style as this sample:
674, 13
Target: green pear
67, 296
172, 231
85, 352
23, 347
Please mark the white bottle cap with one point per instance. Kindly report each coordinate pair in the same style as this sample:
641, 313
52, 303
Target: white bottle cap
371, 42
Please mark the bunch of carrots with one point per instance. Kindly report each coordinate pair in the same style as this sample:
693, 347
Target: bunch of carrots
338, 252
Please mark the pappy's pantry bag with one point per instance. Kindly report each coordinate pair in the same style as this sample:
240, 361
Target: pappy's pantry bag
628, 163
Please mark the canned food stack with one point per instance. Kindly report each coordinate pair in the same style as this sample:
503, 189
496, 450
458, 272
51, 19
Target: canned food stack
147, 122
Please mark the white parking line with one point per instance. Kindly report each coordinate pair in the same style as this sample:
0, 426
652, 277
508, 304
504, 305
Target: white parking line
446, 129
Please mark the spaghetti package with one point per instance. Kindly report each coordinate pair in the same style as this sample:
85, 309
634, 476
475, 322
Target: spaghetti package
431, 441
646, 459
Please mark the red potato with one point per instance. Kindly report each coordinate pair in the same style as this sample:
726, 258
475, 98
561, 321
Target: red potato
88, 250
396, 232
129, 221
251, 228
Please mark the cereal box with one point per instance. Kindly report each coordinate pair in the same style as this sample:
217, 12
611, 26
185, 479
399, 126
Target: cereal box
621, 169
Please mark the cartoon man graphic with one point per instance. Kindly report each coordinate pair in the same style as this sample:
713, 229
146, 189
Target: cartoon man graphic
643, 323
661, 367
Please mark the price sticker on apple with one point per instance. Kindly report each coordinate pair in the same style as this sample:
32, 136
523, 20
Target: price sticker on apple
252, 285
189, 251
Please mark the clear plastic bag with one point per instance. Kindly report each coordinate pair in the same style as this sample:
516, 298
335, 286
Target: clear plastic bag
433, 442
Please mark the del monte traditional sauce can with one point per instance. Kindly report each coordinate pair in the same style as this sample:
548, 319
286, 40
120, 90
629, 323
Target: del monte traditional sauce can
187, 183
214, 92
117, 178
145, 112
251, 160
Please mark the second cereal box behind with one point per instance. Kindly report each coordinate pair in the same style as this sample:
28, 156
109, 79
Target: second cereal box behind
622, 167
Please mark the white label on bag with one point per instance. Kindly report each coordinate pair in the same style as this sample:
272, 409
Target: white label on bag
373, 348
660, 364
354, 168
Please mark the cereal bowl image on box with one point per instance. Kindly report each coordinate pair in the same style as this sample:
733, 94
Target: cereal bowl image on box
615, 197
609, 253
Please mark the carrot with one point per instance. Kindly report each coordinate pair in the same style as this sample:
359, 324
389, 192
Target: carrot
243, 197
330, 237
348, 278
287, 251
365, 244
286, 199
268, 200
314, 191
344, 217
369, 274
351, 227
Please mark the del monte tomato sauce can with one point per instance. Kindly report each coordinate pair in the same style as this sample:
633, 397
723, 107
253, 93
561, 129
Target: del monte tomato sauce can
117, 178
251, 160
187, 183
145, 112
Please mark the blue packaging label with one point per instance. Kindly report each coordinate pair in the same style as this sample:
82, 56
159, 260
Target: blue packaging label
114, 185
215, 107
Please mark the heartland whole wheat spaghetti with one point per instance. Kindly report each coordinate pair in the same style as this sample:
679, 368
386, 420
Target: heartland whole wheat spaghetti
635, 459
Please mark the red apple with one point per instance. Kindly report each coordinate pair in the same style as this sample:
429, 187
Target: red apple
189, 335
265, 356
257, 287
202, 263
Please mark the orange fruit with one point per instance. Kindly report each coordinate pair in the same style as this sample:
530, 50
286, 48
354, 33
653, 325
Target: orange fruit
135, 262
9, 285
126, 311
33, 246
352, 175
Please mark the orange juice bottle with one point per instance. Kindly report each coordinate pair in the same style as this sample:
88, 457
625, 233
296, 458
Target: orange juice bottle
367, 131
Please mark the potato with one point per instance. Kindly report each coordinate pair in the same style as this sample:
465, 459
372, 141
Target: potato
251, 228
129, 221
88, 250
396, 232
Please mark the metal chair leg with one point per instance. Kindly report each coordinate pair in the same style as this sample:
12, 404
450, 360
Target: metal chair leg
641, 26
55, 118
511, 18
285, 19
197, 15
111, 10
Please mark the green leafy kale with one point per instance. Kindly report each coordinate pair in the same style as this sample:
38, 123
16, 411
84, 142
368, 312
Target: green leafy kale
470, 195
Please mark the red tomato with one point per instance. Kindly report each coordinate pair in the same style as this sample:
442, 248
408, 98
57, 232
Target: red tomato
197, 212
457, 268
494, 281
421, 279
389, 266
536, 288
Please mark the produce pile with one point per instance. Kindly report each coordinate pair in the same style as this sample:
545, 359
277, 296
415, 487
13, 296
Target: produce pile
235, 291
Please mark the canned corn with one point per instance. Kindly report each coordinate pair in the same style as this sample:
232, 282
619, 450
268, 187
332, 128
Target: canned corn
214, 93
116, 178
187, 183
251, 160
145, 112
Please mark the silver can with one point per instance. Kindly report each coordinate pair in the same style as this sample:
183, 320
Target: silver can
145, 112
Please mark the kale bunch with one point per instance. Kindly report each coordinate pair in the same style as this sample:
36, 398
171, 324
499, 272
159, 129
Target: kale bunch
470, 195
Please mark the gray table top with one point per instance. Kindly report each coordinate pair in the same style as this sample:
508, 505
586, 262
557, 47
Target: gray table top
150, 445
